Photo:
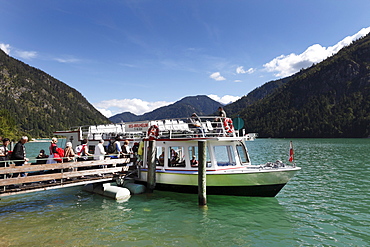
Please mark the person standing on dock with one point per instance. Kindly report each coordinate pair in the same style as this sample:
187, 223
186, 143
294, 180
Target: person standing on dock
19, 154
4, 154
83, 150
54, 156
69, 154
99, 151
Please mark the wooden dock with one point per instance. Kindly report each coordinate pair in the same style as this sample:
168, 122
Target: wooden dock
59, 175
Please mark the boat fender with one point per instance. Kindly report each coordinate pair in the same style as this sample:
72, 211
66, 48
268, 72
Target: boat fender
153, 132
135, 188
228, 124
108, 190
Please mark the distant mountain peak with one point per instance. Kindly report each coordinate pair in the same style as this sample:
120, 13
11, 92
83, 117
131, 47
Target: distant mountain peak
199, 104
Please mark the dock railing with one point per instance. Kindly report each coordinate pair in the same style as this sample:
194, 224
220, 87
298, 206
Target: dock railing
59, 171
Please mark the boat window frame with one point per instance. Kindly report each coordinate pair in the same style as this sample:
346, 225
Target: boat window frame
181, 155
195, 147
245, 151
230, 155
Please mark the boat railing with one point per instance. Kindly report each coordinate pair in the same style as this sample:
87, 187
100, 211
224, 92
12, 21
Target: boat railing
191, 127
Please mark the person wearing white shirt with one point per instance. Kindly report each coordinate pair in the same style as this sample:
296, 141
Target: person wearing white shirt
99, 151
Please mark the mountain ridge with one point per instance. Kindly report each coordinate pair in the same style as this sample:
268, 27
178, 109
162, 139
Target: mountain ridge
199, 104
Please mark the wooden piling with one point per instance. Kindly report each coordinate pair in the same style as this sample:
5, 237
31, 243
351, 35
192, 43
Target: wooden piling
202, 195
151, 166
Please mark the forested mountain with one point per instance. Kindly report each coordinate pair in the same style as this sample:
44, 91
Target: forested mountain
38, 103
255, 95
329, 99
201, 105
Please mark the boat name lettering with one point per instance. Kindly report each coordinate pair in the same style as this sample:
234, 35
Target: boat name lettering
138, 125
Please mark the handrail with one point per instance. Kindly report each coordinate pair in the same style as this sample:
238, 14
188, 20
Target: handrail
101, 167
209, 126
31, 167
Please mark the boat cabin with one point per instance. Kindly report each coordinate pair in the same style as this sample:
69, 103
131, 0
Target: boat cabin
180, 155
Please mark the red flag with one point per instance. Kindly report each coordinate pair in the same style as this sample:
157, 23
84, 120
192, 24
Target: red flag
291, 152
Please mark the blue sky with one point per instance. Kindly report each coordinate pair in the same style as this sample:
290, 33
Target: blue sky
139, 55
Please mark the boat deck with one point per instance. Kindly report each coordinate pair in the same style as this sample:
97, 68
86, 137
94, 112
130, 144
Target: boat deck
176, 128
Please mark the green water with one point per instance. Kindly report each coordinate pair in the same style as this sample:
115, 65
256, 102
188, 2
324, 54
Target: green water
325, 204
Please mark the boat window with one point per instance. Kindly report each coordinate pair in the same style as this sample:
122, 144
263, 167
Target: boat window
193, 151
224, 155
242, 152
176, 157
160, 156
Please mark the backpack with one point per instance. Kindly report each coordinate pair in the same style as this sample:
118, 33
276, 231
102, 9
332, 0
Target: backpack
112, 147
60, 153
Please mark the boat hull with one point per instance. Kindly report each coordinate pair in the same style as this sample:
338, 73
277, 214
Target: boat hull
266, 183
257, 190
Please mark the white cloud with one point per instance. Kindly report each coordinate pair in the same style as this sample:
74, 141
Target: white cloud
286, 65
226, 99
25, 54
217, 76
67, 60
137, 106
105, 112
240, 70
5, 48
18, 53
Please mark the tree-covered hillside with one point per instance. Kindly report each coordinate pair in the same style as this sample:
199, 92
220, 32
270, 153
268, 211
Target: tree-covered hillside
39, 103
330, 99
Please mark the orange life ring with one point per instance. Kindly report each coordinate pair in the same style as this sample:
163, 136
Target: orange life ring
153, 132
228, 124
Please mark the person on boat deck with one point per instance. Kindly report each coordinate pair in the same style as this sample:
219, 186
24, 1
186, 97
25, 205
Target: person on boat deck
194, 119
126, 148
99, 151
222, 116
195, 123
42, 157
193, 162
140, 152
69, 154
4, 153
135, 149
19, 155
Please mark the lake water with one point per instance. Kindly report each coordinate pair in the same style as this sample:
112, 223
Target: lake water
325, 204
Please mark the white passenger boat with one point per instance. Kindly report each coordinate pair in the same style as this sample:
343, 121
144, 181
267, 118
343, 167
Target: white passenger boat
228, 166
